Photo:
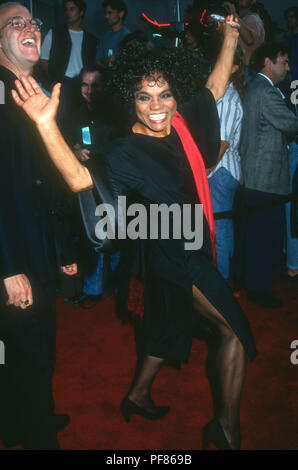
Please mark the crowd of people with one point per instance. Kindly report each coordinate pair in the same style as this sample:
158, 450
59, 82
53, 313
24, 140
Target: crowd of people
168, 126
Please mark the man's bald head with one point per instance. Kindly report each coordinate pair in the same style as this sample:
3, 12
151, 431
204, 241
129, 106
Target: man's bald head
3, 10
16, 52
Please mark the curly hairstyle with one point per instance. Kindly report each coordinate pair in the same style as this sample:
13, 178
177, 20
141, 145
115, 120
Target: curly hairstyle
179, 67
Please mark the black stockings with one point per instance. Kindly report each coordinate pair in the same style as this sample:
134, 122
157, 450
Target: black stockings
141, 388
226, 367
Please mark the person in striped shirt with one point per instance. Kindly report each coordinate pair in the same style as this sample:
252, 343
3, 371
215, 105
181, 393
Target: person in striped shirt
225, 177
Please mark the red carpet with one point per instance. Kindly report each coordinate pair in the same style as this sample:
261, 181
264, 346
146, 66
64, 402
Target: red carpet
95, 364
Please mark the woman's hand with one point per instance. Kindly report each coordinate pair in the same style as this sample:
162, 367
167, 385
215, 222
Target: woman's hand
245, 33
230, 27
220, 75
33, 100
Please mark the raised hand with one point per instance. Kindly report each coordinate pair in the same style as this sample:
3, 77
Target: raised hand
230, 27
29, 96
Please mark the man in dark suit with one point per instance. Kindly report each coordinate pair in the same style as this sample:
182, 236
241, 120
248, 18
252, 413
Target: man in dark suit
268, 125
30, 244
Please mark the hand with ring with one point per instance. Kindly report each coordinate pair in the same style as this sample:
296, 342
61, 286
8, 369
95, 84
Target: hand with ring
19, 291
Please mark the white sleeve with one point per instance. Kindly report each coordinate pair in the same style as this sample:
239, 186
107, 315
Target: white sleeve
46, 46
228, 115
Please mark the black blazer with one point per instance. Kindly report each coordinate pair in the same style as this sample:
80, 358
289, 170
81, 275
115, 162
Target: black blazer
32, 220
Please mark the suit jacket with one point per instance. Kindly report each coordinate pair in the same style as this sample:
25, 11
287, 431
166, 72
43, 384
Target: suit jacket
267, 126
32, 231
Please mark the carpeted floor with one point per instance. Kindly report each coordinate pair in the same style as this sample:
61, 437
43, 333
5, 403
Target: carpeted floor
95, 363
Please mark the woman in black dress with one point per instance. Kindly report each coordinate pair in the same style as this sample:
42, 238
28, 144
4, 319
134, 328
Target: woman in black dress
151, 161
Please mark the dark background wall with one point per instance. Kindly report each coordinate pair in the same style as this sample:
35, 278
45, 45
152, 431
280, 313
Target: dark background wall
51, 12
94, 21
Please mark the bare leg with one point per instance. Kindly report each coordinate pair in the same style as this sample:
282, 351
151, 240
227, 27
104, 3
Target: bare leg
227, 365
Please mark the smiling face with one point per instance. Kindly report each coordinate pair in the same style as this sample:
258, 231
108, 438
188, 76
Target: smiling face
155, 107
19, 50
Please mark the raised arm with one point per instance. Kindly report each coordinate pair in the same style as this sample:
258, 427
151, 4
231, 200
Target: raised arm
220, 75
42, 110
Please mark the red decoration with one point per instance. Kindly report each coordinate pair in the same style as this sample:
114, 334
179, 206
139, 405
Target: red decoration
155, 23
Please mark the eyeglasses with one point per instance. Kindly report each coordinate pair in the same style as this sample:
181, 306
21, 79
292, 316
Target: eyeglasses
20, 23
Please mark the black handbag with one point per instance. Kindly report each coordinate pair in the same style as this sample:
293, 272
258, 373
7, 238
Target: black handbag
89, 201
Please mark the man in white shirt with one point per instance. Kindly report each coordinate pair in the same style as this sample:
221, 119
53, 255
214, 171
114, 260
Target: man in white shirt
67, 49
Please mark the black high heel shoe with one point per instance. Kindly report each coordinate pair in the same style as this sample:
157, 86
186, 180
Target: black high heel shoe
129, 408
213, 432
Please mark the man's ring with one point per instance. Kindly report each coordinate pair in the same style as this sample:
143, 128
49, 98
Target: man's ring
25, 303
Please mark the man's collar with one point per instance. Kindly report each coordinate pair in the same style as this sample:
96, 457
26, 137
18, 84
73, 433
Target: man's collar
271, 83
269, 79
7, 76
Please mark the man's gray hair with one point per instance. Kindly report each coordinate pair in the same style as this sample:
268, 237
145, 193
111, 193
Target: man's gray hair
10, 4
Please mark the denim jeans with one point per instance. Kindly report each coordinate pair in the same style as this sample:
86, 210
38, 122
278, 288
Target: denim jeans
223, 187
292, 243
99, 280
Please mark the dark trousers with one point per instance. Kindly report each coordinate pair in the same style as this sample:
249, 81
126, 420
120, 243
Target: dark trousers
26, 400
259, 236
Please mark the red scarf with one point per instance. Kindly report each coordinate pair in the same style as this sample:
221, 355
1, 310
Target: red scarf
135, 300
199, 173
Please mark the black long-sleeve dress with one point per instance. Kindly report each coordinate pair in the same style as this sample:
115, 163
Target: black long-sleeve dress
156, 171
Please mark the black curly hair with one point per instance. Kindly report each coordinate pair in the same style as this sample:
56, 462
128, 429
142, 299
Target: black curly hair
179, 67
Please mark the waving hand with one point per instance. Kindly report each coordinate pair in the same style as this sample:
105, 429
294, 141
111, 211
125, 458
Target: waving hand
34, 101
